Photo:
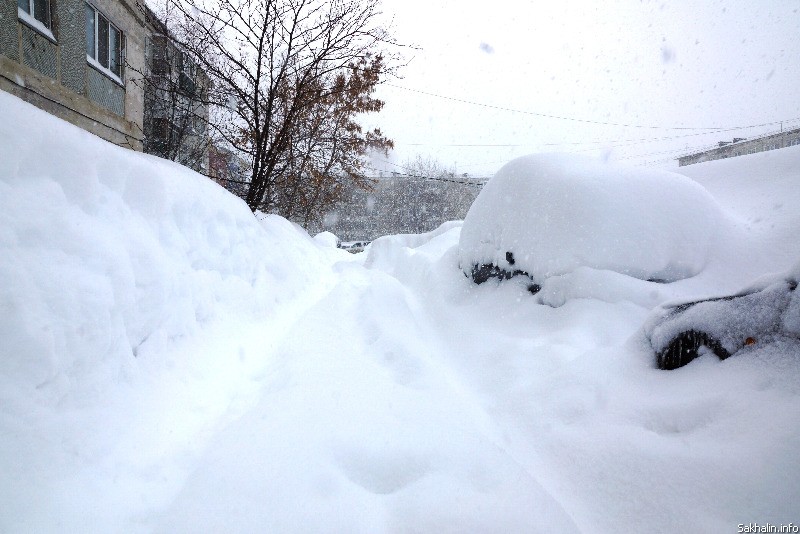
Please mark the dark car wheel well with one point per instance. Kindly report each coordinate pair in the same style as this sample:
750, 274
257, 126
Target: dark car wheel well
481, 273
684, 348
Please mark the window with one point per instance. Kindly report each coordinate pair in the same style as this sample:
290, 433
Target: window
36, 13
104, 43
186, 78
160, 63
198, 124
161, 129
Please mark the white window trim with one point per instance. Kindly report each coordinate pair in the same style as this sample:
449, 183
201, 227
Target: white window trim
28, 19
93, 62
96, 64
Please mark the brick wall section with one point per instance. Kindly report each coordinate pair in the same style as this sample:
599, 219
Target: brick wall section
106, 92
71, 36
9, 31
39, 53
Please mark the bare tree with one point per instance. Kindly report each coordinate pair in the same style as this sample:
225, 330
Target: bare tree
292, 77
427, 194
175, 93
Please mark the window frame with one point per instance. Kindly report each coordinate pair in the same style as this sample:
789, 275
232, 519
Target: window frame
162, 129
29, 18
187, 74
159, 55
94, 60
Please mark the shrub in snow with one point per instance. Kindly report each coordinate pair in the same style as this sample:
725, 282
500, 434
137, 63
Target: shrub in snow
548, 214
760, 314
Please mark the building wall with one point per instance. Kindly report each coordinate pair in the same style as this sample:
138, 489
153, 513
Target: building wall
741, 148
175, 99
9, 31
54, 74
130, 19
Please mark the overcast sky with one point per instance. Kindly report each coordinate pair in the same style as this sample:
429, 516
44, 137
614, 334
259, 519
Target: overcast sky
662, 64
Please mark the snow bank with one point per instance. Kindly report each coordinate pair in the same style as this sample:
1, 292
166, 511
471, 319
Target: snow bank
575, 396
138, 301
556, 213
760, 194
389, 252
106, 254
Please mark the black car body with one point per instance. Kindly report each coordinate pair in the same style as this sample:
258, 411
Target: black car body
761, 314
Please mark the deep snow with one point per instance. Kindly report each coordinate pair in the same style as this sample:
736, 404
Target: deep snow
169, 363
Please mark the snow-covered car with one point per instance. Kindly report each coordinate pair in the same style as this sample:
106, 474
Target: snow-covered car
354, 246
546, 215
764, 313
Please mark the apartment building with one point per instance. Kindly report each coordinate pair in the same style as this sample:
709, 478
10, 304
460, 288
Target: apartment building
76, 59
740, 147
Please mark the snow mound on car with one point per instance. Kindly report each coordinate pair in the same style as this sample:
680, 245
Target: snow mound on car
558, 212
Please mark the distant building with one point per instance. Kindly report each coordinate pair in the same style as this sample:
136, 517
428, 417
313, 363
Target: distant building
69, 58
175, 90
739, 147
398, 204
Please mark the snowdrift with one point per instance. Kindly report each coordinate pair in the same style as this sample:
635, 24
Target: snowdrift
122, 276
108, 254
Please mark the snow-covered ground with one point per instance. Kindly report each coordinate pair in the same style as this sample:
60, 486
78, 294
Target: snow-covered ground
169, 363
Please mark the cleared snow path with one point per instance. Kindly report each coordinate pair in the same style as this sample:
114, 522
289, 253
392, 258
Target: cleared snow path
362, 428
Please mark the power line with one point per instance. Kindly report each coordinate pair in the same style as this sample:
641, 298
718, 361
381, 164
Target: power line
562, 143
686, 150
571, 143
94, 120
464, 144
585, 121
